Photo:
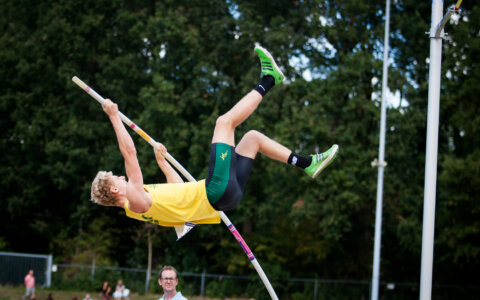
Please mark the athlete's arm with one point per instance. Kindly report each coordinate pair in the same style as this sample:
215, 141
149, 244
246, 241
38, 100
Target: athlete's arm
139, 199
170, 173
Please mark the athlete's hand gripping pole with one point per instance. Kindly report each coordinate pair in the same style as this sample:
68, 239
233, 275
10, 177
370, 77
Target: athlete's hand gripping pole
189, 177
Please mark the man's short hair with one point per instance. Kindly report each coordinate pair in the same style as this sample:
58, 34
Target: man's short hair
100, 192
167, 268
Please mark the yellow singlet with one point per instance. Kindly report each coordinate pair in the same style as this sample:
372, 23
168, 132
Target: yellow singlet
173, 204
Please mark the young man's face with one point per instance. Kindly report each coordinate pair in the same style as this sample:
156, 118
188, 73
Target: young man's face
168, 281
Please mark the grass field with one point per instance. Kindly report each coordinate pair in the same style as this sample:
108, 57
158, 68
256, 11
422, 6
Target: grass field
16, 293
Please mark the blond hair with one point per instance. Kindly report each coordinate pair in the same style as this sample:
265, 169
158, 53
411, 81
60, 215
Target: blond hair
100, 192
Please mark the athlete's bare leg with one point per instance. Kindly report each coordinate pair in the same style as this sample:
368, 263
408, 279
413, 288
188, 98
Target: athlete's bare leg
270, 75
253, 142
225, 127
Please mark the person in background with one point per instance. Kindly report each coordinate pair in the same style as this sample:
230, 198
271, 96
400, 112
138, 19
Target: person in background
29, 281
106, 291
168, 280
121, 291
87, 297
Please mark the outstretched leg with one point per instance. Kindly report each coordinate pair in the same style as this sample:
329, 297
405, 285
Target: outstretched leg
271, 75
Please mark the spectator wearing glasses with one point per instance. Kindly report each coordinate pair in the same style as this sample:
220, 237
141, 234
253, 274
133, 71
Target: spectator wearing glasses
168, 280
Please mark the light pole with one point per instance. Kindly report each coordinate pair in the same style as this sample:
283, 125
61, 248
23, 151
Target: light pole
380, 163
436, 35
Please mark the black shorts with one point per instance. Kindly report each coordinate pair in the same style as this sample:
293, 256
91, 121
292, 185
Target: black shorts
227, 175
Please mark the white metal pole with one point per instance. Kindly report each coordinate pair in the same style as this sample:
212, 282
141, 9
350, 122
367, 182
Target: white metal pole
431, 153
189, 177
381, 161
49, 271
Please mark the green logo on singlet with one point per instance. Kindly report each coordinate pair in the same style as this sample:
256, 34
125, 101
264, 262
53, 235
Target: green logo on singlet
150, 219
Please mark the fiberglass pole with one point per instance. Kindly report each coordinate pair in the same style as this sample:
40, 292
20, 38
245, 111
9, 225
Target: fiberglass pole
381, 162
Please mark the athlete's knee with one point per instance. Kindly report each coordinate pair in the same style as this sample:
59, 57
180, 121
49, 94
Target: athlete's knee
224, 121
253, 135
249, 144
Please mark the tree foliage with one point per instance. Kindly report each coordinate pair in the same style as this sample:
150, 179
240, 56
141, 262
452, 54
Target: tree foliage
174, 66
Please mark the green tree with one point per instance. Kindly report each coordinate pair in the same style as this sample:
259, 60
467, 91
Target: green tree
175, 66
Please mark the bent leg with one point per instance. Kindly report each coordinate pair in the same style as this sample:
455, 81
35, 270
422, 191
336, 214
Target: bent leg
254, 142
225, 126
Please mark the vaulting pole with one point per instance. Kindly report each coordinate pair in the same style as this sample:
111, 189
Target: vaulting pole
189, 177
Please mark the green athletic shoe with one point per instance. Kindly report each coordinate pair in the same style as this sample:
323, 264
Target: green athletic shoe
269, 67
321, 161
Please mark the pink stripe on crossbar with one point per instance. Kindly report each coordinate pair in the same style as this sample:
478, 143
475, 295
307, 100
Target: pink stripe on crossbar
87, 89
132, 126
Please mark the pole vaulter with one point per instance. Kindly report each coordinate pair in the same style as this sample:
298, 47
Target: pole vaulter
176, 203
189, 177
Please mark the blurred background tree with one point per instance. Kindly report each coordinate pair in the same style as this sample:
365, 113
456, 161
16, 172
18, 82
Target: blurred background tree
174, 66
